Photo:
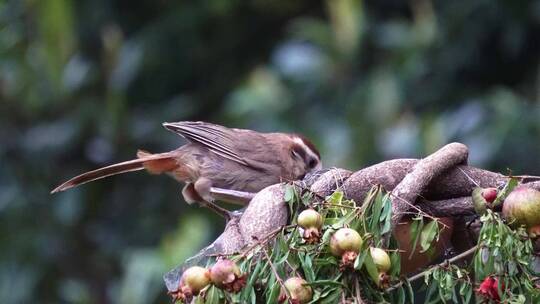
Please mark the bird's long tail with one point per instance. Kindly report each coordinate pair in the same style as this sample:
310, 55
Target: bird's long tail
154, 163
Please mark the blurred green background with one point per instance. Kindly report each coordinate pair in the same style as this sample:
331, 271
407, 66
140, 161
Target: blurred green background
86, 83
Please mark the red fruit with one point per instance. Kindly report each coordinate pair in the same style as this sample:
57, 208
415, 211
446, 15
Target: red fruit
489, 289
490, 194
483, 198
226, 275
534, 231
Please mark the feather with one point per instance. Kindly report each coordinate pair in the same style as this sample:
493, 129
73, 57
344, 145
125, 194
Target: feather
155, 163
209, 135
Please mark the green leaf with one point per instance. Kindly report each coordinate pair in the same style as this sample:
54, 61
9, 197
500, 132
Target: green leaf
428, 234
274, 294
336, 198
331, 297
251, 280
346, 219
212, 296
409, 291
395, 261
468, 295
327, 283
371, 268
307, 267
510, 185
282, 259
290, 194
253, 296
401, 297
416, 227
359, 261
386, 216
376, 210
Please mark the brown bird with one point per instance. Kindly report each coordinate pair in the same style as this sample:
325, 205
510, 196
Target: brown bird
220, 157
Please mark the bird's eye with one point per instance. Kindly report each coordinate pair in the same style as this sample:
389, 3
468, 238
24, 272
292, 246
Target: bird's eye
298, 152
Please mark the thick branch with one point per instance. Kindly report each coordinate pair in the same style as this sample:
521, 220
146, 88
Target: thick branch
266, 212
449, 207
446, 195
405, 193
456, 182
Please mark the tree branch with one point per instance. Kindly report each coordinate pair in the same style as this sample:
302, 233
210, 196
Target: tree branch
444, 191
405, 193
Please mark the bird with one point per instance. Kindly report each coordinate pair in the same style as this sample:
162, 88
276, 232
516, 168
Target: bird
219, 157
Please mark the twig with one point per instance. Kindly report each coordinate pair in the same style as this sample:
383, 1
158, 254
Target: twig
265, 239
413, 206
336, 205
306, 189
422, 274
274, 271
292, 268
468, 177
522, 177
358, 294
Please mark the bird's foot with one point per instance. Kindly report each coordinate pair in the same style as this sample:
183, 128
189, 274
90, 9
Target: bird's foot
226, 214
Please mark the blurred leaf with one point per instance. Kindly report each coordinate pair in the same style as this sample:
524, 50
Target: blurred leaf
56, 24
190, 236
346, 18
144, 269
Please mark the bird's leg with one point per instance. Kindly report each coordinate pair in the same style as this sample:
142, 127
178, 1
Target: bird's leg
202, 188
232, 196
190, 195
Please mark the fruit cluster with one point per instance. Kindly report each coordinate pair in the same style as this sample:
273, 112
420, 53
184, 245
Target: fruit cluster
225, 274
345, 244
521, 208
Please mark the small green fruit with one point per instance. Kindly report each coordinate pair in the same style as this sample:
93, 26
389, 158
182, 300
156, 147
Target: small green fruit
311, 222
381, 259
522, 207
345, 240
298, 290
195, 279
310, 218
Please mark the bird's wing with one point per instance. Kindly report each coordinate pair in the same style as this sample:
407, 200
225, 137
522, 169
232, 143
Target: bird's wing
218, 139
